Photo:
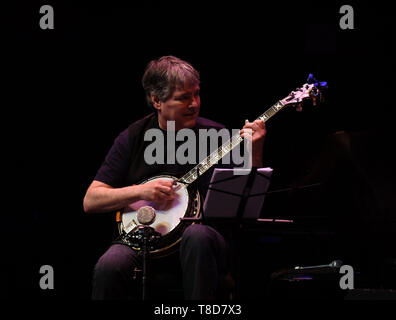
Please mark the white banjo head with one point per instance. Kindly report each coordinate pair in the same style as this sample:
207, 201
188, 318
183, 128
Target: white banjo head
167, 218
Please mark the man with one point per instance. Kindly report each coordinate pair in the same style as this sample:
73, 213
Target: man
172, 89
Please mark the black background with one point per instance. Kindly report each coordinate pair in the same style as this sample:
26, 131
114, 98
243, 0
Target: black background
73, 89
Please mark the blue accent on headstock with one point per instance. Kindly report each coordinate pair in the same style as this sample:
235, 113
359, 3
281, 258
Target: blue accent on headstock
320, 85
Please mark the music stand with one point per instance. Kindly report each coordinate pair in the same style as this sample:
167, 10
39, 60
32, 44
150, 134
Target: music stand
235, 196
236, 193
239, 199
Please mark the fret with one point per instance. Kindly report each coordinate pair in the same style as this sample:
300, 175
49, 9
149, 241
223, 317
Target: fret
263, 117
271, 111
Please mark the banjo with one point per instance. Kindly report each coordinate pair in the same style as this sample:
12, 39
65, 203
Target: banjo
166, 221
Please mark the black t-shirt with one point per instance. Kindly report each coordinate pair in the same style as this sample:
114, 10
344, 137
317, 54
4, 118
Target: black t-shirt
125, 165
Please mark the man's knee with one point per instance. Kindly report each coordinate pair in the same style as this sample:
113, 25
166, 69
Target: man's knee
116, 262
202, 237
197, 234
106, 269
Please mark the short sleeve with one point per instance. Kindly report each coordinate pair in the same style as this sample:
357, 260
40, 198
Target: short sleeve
115, 166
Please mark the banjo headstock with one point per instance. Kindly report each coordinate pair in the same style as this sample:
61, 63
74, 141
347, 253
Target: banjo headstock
312, 90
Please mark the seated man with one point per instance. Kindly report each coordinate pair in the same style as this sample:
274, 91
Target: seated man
172, 89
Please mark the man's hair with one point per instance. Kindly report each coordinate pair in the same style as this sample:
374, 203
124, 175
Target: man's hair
163, 76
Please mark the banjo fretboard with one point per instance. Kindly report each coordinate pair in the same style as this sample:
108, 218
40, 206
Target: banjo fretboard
230, 144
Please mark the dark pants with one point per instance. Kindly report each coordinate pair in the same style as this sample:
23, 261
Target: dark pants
205, 264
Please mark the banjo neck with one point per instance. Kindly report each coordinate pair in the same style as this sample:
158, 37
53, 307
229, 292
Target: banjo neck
230, 144
295, 98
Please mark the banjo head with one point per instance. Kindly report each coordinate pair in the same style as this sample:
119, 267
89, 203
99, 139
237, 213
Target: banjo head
167, 218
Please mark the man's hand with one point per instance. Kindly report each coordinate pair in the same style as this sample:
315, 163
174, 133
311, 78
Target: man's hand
256, 136
160, 192
258, 131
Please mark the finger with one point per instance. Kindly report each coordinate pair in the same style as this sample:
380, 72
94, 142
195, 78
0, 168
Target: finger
260, 123
247, 127
246, 135
165, 197
244, 130
255, 127
166, 190
166, 183
251, 128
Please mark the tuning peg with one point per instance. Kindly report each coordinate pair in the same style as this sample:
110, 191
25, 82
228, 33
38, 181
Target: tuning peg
299, 105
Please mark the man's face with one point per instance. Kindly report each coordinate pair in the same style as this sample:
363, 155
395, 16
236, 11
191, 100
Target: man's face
182, 107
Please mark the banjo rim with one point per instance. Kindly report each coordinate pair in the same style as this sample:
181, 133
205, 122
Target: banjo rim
169, 241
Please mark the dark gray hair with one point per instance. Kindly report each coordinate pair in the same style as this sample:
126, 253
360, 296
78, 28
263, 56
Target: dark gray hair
163, 76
